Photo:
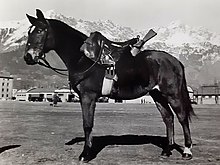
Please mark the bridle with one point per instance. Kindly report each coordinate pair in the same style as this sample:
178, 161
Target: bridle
41, 58
44, 37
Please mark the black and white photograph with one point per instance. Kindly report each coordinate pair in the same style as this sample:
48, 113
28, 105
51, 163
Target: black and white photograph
109, 82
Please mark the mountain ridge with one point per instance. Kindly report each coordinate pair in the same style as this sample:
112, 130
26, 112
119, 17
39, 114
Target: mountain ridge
175, 34
196, 47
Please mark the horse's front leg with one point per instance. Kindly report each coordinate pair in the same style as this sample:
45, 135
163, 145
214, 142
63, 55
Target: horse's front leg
88, 103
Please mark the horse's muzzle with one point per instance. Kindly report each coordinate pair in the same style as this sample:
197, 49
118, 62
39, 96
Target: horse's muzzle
29, 60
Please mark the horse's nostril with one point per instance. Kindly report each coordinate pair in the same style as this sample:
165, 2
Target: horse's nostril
36, 58
27, 57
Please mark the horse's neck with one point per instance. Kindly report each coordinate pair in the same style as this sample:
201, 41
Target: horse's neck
68, 54
67, 45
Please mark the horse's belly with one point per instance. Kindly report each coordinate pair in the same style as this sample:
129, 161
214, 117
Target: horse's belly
128, 92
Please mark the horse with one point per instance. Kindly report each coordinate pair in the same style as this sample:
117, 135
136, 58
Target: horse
150, 68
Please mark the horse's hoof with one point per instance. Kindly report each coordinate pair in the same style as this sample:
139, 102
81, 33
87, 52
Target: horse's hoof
83, 159
187, 156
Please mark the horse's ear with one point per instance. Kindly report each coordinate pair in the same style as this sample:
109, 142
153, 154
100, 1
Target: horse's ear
31, 19
40, 15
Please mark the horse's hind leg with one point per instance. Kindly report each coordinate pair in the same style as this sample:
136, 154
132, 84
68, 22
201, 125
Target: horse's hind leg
178, 107
168, 118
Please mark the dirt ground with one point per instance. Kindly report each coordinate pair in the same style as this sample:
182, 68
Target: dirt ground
124, 134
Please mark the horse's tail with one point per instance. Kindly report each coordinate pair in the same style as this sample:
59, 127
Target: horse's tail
186, 99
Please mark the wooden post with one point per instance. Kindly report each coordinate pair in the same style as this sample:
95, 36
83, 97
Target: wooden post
216, 99
201, 100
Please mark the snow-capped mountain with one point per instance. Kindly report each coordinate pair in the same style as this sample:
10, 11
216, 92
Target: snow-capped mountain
178, 34
196, 47
13, 34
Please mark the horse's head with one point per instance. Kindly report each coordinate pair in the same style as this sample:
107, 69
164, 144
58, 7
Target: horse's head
40, 39
92, 45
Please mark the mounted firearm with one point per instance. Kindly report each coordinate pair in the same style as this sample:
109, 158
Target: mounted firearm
137, 47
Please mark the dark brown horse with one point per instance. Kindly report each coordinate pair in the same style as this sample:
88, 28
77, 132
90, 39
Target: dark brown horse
136, 77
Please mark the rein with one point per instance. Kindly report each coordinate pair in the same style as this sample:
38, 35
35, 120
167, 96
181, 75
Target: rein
47, 65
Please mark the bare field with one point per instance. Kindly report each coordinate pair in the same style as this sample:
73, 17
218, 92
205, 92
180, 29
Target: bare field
124, 134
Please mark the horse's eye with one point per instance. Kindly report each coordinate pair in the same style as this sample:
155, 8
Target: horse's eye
39, 31
89, 43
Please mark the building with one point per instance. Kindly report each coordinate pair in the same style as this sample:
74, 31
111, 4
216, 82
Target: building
146, 99
6, 87
40, 94
20, 95
46, 94
66, 95
207, 94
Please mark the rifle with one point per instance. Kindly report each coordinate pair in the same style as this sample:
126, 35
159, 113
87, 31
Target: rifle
136, 47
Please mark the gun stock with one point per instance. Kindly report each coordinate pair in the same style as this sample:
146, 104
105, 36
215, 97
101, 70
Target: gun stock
149, 35
136, 47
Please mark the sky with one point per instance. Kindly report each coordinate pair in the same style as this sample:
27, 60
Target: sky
137, 14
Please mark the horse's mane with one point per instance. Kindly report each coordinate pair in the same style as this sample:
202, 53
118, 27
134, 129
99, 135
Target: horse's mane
64, 28
103, 37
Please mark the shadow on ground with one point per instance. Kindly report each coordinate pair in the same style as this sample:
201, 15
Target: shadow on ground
100, 142
5, 148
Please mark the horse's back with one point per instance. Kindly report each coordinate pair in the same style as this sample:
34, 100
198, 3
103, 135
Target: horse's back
160, 56
163, 59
